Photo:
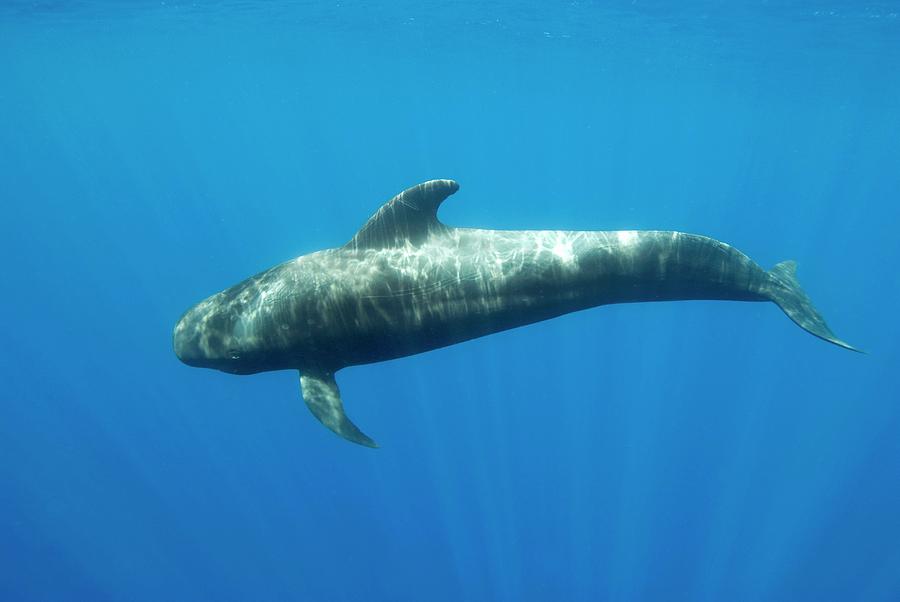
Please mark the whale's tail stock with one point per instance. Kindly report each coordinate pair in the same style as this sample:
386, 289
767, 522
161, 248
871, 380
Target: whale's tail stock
786, 292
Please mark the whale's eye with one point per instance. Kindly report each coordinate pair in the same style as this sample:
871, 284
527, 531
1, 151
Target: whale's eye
234, 354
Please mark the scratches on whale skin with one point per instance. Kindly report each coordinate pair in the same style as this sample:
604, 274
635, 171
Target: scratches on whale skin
427, 288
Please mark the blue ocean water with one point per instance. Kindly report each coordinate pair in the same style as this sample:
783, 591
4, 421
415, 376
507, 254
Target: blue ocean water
153, 153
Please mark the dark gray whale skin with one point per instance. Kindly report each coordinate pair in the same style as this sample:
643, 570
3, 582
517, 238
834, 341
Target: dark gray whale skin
406, 283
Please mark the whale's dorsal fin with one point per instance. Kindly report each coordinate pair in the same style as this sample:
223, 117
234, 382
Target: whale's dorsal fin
323, 398
409, 217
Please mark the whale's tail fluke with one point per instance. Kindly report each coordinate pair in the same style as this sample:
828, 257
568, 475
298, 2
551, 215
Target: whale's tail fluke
785, 290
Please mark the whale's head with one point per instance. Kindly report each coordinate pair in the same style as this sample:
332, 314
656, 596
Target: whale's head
220, 333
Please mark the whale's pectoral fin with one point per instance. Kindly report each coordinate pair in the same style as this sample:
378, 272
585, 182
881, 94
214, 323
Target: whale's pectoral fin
323, 398
409, 217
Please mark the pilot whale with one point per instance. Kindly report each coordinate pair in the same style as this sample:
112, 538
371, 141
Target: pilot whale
407, 283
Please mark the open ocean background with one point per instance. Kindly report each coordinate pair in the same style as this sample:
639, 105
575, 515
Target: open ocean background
153, 153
